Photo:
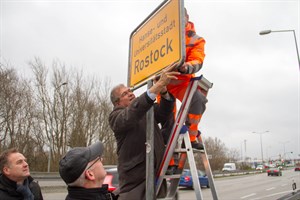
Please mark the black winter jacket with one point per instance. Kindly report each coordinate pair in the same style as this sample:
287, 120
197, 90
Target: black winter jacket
79, 193
8, 189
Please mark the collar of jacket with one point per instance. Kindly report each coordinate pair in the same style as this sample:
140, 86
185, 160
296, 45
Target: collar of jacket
88, 193
10, 183
190, 29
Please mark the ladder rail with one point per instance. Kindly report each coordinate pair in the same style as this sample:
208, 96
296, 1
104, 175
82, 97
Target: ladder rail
204, 85
186, 153
175, 182
180, 119
192, 164
209, 174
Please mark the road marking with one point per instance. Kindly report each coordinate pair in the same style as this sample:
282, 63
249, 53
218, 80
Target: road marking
272, 188
278, 193
267, 196
248, 195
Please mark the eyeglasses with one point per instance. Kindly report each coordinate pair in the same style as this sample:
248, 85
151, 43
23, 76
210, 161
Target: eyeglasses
125, 93
99, 158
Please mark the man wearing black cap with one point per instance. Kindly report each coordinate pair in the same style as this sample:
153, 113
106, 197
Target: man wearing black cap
82, 170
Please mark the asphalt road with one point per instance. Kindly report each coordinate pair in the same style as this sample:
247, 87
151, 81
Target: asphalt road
246, 187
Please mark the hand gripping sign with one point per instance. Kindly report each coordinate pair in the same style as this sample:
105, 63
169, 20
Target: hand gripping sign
156, 43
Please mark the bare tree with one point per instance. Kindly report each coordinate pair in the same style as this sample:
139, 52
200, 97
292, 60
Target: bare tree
106, 134
17, 112
75, 115
84, 110
62, 110
233, 155
51, 107
91, 108
216, 148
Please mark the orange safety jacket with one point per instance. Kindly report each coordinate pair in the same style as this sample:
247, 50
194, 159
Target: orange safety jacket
194, 55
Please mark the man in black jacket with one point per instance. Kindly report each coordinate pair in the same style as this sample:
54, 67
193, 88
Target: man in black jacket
128, 122
15, 180
82, 170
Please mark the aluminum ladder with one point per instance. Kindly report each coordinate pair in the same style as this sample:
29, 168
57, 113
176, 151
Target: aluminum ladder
174, 147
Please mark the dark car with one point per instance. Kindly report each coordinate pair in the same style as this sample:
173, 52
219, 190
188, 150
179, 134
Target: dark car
274, 172
297, 168
186, 179
112, 178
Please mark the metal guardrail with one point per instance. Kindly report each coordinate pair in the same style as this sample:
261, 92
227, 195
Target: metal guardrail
45, 175
55, 175
236, 173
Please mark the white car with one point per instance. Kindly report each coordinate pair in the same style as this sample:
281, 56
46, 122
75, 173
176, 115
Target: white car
272, 165
229, 167
259, 167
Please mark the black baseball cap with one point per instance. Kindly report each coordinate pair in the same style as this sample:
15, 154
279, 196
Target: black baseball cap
73, 164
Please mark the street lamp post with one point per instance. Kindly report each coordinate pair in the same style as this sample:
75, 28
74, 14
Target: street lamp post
265, 32
241, 151
261, 146
268, 155
284, 148
52, 130
245, 141
243, 157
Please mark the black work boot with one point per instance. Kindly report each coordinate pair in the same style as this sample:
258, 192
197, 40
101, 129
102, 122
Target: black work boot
172, 169
197, 145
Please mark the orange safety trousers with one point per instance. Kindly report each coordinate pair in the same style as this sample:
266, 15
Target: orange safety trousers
194, 113
193, 117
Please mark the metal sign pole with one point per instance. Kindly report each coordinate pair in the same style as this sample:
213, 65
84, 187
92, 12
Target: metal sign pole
150, 152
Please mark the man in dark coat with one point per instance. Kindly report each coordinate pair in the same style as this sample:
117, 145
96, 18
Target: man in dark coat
128, 122
15, 180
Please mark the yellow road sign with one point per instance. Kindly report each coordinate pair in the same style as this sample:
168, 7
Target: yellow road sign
157, 42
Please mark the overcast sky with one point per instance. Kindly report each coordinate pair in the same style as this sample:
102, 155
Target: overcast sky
256, 78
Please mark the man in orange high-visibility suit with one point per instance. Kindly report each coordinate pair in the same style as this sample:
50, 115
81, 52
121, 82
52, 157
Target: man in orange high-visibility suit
193, 63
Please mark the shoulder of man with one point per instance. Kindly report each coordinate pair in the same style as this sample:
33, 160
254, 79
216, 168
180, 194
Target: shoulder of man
112, 196
109, 195
31, 180
35, 188
6, 184
7, 193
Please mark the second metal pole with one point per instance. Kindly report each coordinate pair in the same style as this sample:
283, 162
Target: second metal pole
150, 152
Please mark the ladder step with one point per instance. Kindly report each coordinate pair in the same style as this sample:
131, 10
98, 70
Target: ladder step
173, 176
198, 151
182, 150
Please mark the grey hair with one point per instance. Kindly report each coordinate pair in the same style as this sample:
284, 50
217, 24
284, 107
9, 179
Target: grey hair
79, 182
113, 94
